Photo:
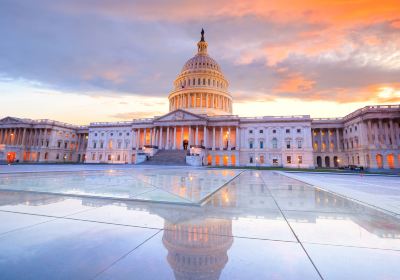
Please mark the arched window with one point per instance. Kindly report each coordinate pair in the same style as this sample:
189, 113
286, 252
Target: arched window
194, 81
204, 82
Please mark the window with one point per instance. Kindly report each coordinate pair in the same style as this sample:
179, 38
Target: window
65, 145
287, 130
300, 159
251, 159
109, 157
59, 144
101, 145
275, 161
288, 159
119, 157
273, 131
127, 134
95, 134
299, 144
112, 134
261, 131
119, 145
355, 128
274, 143
94, 144
251, 131
261, 144
102, 134
120, 134
100, 156
262, 160
47, 143
251, 144
93, 156
110, 144
58, 156
287, 144
298, 130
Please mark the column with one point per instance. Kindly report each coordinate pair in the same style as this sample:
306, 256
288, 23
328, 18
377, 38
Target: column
174, 138
1, 136
221, 139
229, 138
167, 144
181, 144
197, 135
380, 132
387, 142
213, 139
369, 132
329, 140
320, 139
190, 136
338, 140
138, 138
392, 134
237, 138
160, 144
205, 135
207, 100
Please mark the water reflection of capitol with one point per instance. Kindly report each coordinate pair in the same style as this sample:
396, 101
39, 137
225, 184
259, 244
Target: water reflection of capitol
198, 238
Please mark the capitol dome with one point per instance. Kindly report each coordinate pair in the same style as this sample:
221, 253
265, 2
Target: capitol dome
201, 86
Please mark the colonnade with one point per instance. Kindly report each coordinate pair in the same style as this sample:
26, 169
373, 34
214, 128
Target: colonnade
383, 133
175, 137
200, 100
326, 140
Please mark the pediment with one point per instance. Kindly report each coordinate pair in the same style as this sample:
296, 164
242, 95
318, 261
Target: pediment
11, 120
180, 115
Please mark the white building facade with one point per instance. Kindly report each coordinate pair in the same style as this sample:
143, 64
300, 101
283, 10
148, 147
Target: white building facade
201, 125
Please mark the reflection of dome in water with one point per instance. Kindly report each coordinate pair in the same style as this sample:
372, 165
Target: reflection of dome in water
198, 251
201, 86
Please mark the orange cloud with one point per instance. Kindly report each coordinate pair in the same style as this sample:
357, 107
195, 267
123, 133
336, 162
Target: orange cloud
295, 83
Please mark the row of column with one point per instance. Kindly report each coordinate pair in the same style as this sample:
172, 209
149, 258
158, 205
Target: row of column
206, 100
13, 136
383, 134
317, 134
155, 137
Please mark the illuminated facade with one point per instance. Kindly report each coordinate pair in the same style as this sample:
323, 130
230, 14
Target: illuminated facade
201, 124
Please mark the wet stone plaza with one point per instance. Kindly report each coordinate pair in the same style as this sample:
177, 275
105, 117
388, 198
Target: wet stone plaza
152, 222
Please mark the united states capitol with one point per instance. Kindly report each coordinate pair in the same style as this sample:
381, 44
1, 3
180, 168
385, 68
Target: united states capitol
201, 129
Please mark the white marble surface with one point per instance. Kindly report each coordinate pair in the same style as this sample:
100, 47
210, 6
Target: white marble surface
378, 190
262, 225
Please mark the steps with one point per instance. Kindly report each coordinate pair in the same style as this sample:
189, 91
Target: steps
167, 157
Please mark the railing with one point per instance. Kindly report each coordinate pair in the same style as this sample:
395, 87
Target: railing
111, 123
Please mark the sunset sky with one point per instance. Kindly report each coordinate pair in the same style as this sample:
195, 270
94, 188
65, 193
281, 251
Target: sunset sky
96, 60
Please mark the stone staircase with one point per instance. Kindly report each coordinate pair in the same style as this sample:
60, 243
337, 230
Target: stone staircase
167, 157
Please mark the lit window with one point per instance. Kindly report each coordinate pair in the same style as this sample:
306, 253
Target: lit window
109, 157
300, 159
289, 159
